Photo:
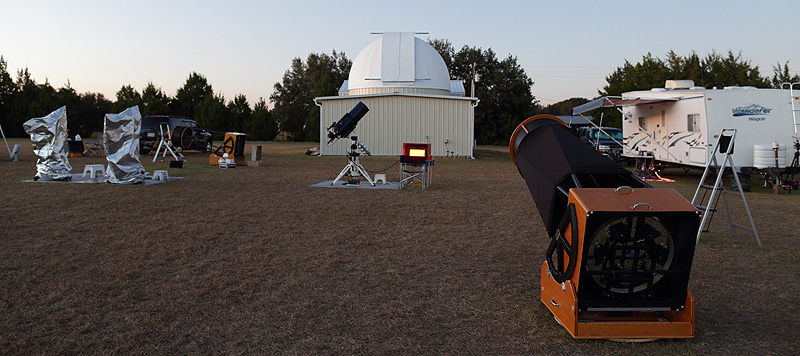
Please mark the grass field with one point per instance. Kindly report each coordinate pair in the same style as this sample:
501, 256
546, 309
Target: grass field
254, 261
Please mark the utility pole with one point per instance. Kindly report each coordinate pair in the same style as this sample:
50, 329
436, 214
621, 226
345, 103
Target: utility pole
474, 79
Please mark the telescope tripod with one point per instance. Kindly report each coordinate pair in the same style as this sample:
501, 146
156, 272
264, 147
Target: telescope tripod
354, 169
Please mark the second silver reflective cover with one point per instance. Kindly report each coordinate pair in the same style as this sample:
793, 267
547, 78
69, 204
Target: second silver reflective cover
121, 132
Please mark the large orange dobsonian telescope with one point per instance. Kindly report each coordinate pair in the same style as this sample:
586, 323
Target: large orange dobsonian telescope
620, 251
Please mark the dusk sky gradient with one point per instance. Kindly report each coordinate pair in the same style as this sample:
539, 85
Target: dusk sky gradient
566, 47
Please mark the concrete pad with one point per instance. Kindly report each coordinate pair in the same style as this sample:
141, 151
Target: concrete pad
148, 180
363, 185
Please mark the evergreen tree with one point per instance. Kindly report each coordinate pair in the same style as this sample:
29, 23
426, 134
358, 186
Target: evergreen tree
7, 85
212, 114
651, 72
7, 90
319, 75
294, 122
261, 126
564, 107
127, 96
688, 67
504, 90
721, 71
78, 119
23, 104
781, 75
240, 113
311, 126
97, 106
154, 101
715, 70
193, 92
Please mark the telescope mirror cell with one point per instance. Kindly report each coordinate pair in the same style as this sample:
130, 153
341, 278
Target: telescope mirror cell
627, 247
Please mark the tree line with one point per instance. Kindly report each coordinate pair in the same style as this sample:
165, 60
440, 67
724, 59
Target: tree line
23, 98
504, 90
713, 70
503, 87
196, 100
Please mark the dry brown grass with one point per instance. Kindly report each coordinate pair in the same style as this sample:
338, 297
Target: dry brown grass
252, 260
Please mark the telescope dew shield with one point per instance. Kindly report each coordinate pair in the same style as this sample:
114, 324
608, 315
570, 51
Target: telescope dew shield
620, 253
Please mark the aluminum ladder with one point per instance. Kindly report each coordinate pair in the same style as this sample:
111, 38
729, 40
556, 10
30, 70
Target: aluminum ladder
165, 141
725, 145
795, 165
795, 108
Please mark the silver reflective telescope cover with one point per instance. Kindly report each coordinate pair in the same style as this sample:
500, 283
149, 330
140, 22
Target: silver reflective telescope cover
49, 137
121, 142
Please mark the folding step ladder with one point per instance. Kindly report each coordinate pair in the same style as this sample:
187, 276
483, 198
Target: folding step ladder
166, 143
725, 145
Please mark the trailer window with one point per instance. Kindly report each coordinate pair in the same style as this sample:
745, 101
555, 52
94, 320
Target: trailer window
643, 123
692, 121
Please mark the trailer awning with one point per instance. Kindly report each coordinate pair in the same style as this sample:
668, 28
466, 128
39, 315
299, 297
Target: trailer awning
612, 101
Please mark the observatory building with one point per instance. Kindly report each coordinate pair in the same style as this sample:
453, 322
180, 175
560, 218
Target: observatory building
411, 99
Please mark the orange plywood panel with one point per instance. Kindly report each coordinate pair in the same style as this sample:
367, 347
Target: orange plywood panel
626, 199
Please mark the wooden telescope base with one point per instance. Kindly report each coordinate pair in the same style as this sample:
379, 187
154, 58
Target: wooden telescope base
561, 300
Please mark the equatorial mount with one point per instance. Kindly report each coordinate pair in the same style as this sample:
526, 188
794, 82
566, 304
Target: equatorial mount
354, 170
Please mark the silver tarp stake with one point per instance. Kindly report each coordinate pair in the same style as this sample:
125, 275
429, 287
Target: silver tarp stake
121, 132
49, 137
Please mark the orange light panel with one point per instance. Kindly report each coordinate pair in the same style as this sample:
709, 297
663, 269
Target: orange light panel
416, 152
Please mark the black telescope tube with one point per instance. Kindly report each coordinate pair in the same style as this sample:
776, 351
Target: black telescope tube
552, 160
347, 123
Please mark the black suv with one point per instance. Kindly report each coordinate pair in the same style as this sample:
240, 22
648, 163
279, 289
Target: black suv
608, 143
199, 139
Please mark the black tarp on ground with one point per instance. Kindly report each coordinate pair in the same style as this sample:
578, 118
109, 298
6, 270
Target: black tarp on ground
547, 156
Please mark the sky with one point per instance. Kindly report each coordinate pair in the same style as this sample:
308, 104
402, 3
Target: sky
245, 47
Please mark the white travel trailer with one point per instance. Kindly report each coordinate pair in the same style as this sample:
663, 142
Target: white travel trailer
680, 124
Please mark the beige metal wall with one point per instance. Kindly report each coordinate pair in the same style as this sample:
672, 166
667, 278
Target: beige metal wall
395, 119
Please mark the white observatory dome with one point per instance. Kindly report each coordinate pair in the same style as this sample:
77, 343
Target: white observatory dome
399, 62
